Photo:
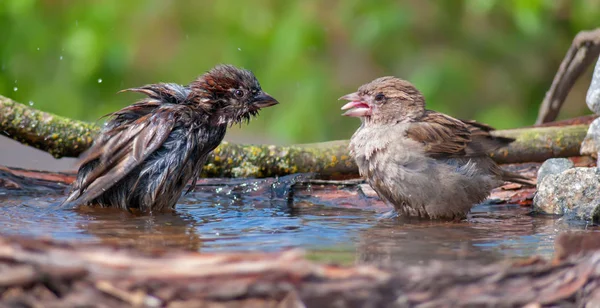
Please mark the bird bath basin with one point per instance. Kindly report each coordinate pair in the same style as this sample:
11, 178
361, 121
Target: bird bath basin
333, 222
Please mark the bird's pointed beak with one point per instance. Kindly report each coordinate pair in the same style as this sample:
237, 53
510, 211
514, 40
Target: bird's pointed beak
351, 97
263, 100
357, 107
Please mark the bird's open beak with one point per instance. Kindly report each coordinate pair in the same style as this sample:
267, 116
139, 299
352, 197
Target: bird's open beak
357, 106
263, 100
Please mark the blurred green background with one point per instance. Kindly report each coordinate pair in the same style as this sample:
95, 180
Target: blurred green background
490, 60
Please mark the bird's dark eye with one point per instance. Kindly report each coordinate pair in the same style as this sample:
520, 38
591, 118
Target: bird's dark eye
379, 97
238, 93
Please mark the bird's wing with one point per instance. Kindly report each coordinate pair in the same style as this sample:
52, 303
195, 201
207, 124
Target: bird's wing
126, 148
441, 135
482, 140
445, 136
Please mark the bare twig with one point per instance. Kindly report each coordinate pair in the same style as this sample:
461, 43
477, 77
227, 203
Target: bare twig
583, 51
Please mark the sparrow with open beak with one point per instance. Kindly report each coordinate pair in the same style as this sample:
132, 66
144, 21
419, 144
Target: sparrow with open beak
424, 163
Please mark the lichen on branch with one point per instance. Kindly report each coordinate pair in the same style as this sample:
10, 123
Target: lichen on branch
64, 137
59, 136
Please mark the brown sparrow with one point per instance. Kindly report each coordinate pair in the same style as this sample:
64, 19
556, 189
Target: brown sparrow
149, 151
422, 162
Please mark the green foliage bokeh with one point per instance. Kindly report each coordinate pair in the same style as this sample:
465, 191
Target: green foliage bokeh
490, 60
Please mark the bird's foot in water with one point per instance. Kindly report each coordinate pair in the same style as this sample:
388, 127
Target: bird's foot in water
388, 215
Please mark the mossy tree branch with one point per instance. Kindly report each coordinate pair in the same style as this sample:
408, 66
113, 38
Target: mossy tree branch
63, 137
536, 144
59, 136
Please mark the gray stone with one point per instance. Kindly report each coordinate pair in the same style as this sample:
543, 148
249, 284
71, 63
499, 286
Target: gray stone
553, 166
589, 211
590, 143
593, 95
574, 193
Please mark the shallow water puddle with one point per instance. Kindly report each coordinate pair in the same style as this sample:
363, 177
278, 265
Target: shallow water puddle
332, 222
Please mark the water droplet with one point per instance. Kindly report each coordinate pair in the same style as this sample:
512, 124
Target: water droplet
15, 89
30, 103
99, 80
239, 49
61, 57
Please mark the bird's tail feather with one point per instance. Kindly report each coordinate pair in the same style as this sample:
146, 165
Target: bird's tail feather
517, 178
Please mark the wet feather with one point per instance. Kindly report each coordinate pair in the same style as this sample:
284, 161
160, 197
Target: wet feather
148, 151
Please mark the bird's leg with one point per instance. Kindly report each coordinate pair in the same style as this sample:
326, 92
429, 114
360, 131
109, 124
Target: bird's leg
391, 214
